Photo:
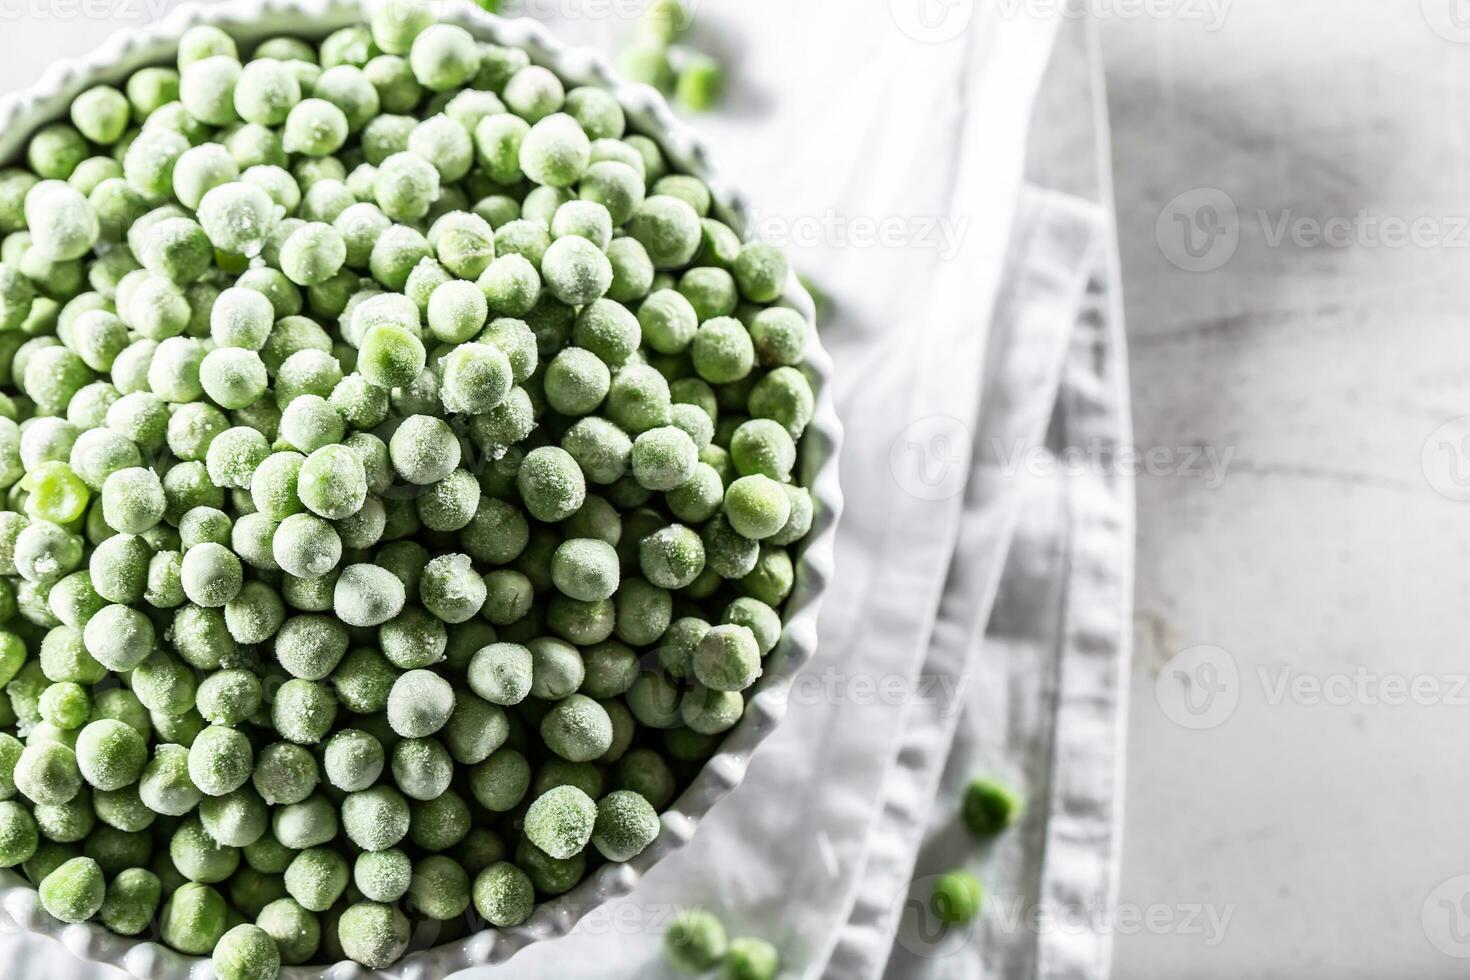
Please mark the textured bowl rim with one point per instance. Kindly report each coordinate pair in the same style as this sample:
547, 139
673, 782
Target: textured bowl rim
251, 20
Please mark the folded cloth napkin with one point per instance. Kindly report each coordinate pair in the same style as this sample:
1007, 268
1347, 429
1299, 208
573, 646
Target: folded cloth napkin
890, 156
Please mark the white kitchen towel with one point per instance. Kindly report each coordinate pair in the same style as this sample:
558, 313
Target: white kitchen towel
1042, 696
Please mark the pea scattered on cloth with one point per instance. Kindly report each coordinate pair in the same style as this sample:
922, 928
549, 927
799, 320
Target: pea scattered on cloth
399, 465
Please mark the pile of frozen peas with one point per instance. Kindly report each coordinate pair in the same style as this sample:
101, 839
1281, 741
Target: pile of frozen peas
398, 464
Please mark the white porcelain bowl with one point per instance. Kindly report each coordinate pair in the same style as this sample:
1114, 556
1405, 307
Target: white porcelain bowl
254, 20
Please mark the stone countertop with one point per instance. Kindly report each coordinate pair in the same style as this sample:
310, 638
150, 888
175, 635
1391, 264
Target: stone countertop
1310, 339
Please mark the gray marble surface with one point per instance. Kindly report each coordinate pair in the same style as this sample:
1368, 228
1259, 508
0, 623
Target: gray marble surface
1316, 589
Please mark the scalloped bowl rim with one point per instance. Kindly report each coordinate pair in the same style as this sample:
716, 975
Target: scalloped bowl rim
125, 51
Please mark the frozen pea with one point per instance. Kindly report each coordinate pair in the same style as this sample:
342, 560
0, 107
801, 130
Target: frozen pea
671, 557
310, 422
110, 754
722, 350
310, 823
235, 456
205, 41
761, 270
728, 658
779, 335
313, 254
220, 760
246, 952
511, 285
440, 888
446, 145
100, 114
551, 484
406, 186
349, 89
382, 876
710, 712
784, 396
315, 128
600, 448
297, 932
756, 506
502, 673
638, 399
557, 668
201, 168
391, 357
75, 891
560, 821
332, 483
366, 595
211, 574
534, 92
233, 377
228, 697
626, 824
303, 711
450, 504
451, 589
62, 222
273, 486
194, 919
443, 57
238, 217
266, 91
284, 774
419, 704
424, 450
503, 895
695, 942
55, 150
988, 807
375, 819
464, 242
310, 646
663, 458
413, 639
576, 381
577, 729
763, 446
585, 569
131, 901
668, 229
316, 878
576, 271
198, 856
422, 768
47, 773
119, 638
353, 760
19, 835
373, 934
608, 330
644, 611
457, 311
